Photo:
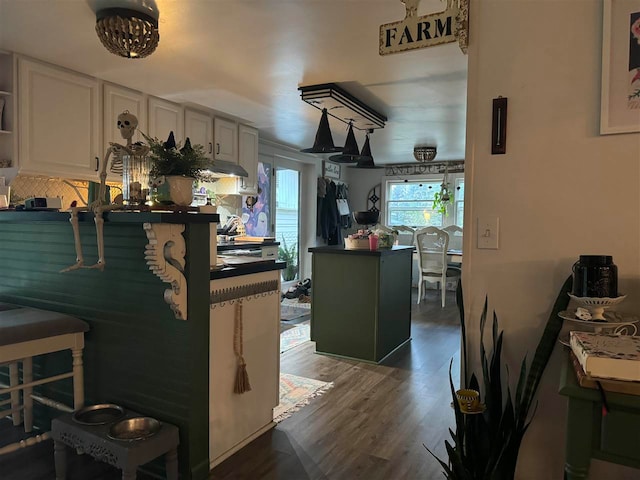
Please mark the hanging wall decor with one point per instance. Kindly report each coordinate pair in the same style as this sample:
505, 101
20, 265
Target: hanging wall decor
499, 126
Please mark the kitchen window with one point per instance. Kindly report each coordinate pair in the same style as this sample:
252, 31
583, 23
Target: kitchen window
410, 202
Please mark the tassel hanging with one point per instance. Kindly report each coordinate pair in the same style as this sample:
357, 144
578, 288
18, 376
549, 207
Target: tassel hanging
242, 378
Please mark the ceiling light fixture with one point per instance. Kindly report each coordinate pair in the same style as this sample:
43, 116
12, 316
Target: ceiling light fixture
342, 105
424, 154
127, 33
324, 141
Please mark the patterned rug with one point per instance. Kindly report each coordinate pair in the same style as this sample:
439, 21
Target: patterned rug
295, 393
295, 336
291, 309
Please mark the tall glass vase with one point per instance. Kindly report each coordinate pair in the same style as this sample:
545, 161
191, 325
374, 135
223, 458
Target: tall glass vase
135, 179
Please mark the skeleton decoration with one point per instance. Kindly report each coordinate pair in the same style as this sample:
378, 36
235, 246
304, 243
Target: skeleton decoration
127, 124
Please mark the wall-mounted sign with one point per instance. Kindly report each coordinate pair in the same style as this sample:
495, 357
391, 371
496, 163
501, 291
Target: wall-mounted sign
426, 31
331, 170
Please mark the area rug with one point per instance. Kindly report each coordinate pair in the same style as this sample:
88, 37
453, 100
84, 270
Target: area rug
291, 309
295, 336
295, 393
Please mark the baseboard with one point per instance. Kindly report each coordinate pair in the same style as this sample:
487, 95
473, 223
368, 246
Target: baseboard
221, 458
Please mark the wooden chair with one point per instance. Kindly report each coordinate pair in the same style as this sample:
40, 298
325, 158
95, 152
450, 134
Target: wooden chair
24, 334
455, 243
432, 244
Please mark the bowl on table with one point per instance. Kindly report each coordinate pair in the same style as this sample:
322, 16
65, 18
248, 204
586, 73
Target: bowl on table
366, 217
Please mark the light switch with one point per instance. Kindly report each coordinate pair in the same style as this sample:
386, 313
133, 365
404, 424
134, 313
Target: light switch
488, 230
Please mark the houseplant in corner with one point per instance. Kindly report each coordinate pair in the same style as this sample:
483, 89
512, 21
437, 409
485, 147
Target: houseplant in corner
174, 169
289, 255
486, 446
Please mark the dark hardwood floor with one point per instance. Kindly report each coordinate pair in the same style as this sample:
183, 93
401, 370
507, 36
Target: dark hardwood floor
372, 424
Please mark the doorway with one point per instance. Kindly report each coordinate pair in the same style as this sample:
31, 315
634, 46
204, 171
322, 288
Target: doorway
286, 226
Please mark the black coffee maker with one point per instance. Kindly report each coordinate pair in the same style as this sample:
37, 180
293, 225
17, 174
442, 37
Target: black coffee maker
595, 276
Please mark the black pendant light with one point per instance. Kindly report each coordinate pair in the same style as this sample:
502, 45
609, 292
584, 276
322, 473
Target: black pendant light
367, 158
324, 140
350, 152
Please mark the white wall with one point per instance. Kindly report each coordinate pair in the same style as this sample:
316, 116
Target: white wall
560, 191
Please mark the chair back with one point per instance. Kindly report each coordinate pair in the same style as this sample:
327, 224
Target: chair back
406, 235
432, 244
455, 237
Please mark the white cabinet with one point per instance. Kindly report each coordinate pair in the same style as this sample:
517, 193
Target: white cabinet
8, 135
248, 159
198, 127
225, 137
236, 419
116, 100
59, 122
165, 117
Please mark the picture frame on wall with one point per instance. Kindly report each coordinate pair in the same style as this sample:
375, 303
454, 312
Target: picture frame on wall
330, 170
620, 98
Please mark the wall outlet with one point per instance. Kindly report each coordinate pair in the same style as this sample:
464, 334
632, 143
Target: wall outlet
488, 231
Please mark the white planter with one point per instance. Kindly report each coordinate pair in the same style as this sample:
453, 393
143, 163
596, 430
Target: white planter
180, 189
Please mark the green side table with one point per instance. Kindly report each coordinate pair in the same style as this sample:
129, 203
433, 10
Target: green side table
614, 437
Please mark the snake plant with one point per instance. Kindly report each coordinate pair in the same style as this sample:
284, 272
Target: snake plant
485, 447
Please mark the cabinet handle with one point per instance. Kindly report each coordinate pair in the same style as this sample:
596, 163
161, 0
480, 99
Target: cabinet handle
210, 147
97, 163
217, 149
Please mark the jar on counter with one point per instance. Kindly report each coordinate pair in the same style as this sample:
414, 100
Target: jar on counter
595, 276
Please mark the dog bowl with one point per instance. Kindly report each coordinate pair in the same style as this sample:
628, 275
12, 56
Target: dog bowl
136, 428
98, 414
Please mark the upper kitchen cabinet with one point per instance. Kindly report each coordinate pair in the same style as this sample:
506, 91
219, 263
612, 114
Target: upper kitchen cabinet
248, 159
225, 136
198, 127
165, 117
8, 137
116, 101
59, 122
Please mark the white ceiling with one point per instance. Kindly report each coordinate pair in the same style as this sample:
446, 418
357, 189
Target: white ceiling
247, 58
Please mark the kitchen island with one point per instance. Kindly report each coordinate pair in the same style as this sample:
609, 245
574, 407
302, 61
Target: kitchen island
361, 301
155, 313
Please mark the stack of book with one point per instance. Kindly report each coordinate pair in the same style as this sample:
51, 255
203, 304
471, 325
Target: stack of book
612, 360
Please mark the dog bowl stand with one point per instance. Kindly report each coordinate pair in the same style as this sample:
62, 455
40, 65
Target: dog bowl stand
126, 455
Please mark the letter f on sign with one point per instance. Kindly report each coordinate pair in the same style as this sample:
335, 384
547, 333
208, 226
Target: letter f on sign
390, 36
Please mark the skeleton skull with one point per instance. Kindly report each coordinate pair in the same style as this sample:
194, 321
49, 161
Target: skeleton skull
127, 124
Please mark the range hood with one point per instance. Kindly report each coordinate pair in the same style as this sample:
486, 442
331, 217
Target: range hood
222, 168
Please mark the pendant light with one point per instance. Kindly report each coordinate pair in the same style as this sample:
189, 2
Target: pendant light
367, 159
128, 33
324, 140
350, 152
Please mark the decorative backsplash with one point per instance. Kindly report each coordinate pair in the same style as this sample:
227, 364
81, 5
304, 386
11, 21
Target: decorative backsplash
25, 186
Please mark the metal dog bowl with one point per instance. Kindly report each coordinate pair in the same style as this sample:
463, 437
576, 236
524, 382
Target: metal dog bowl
136, 428
98, 414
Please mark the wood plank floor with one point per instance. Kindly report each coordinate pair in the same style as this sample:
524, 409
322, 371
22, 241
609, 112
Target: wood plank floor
372, 424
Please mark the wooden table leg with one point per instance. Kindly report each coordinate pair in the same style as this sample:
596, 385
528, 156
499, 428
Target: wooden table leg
14, 379
27, 401
60, 459
171, 463
578, 439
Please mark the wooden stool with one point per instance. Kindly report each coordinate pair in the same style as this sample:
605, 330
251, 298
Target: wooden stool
126, 455
25, 333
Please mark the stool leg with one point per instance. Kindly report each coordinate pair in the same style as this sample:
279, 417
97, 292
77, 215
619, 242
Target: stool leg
129, 475
60, 458
78, 379
14, 379
27, 401
171, 463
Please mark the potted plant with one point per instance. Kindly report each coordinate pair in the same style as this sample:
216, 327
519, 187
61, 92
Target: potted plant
486, 446
289, 255
174, 169
442, 199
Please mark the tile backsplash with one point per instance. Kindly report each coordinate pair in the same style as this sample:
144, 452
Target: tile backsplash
25, 186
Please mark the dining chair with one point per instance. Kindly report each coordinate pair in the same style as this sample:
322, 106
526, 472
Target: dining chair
455, 243
432, 244
406, 235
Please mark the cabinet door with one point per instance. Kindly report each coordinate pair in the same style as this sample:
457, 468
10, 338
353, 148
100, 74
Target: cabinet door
225, 136
59, 121
116, 100
198, 127
248, 159
165, 117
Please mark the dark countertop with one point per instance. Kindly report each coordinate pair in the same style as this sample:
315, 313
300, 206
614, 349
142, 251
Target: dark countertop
381, 252
247, 269
111, 217
224, 246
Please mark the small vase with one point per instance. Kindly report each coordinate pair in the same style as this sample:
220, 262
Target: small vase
180, 189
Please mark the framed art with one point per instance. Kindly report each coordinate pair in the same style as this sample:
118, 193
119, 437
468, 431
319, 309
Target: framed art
330, 170
620, 98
